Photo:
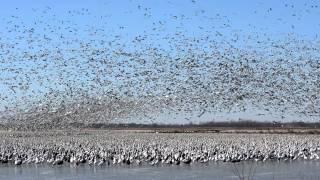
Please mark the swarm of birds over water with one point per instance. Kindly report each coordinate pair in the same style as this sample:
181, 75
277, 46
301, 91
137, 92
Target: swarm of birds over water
53, 76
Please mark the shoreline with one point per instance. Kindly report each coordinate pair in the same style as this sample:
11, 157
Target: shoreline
173, 130
241, 126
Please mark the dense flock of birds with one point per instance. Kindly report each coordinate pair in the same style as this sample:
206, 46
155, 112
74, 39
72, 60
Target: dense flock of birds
114, 148
55, 72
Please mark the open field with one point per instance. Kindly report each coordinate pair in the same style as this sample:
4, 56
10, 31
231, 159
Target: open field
225, 130
242, 126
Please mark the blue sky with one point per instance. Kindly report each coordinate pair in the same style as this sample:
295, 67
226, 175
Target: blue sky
272, 19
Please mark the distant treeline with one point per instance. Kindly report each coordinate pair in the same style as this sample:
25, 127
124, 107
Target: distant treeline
241, 124
222, 124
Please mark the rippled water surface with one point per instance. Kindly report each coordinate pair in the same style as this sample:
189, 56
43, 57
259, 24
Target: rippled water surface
266, 170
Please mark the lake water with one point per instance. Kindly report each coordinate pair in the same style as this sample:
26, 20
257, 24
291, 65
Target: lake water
259, 170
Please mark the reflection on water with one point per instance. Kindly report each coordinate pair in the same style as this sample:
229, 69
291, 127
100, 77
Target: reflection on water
259, 170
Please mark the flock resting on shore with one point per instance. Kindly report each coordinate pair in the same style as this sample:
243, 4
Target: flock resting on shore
116, 148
